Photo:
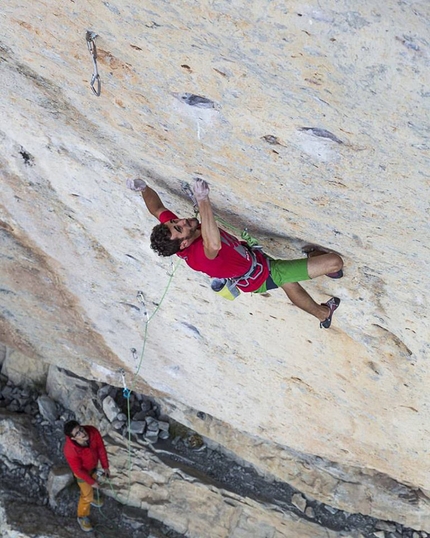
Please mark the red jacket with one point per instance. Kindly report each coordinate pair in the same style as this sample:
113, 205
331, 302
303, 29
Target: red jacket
84, 459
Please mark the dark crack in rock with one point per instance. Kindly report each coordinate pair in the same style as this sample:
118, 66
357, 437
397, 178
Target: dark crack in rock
322, 133
194, 100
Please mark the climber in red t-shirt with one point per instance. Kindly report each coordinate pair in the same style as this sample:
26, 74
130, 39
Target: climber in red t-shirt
206, 248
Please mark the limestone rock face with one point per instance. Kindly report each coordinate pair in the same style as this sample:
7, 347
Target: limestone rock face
140, 478
22, 371
19, 441
24, 520
311, 124
193, 508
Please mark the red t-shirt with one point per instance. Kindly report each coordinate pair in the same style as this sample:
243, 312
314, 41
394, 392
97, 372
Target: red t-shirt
233, 260
83, 459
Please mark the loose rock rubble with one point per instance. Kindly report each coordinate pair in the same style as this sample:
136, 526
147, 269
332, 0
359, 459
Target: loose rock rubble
38, 492
45, 482
133, 414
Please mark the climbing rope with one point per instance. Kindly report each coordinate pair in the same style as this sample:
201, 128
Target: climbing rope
252, 242
127, 391
98, 497
141, 299
244, 234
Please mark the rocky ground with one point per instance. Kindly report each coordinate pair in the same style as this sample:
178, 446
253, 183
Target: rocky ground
26, 494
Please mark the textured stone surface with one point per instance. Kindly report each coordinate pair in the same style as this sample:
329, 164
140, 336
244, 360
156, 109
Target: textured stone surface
22, 371
24, 520
75, 393
19, 442
74, 244
60, 477
47, 408
139, 478
110, 408
196, 510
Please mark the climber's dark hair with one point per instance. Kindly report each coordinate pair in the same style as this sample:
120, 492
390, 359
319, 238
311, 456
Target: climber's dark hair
69, 427
162, 242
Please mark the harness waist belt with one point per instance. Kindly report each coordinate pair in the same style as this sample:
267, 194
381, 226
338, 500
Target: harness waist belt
249, 275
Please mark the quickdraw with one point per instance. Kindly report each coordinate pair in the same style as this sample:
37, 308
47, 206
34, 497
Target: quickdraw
90, 37
125, 391
141, 298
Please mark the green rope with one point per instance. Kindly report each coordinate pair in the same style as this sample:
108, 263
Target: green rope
145, 335
244, 234
145, 338
251, 241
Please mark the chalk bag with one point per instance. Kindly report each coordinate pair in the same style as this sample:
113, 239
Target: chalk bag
225, 288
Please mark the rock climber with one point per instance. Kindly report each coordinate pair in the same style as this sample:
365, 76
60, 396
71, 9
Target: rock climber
207, 248
84, 449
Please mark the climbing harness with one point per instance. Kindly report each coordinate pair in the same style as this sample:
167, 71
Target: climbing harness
90, 37
252, 273
228, 287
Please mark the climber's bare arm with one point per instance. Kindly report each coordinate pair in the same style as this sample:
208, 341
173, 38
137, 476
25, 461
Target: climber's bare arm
153, 202
150, 197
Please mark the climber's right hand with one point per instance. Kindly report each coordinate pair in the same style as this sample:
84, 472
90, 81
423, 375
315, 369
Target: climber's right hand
136, 185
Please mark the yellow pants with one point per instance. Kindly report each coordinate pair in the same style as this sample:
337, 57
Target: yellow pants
86, 497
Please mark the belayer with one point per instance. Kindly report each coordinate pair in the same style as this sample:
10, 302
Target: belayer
207, 248
84, 449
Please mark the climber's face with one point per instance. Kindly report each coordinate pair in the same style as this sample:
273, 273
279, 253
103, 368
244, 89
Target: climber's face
80, 436
184, 229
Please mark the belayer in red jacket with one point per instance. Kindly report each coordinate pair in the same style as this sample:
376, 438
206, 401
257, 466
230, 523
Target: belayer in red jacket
84, 449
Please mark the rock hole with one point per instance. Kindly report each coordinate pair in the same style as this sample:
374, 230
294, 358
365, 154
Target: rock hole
27, 157
271, 139
195, 100
322, 133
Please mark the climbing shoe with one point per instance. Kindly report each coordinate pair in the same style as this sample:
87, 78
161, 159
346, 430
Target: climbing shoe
98, 503
333, 304
337, 274
85, 524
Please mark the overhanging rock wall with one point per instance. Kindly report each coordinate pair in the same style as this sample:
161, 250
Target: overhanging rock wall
318, 134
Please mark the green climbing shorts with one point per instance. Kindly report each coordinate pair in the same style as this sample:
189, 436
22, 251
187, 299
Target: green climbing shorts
283, 271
